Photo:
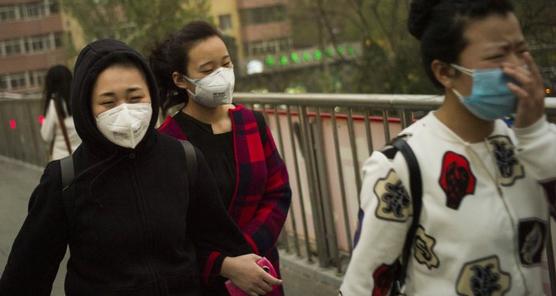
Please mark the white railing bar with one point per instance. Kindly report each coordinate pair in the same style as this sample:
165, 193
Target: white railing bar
330, 100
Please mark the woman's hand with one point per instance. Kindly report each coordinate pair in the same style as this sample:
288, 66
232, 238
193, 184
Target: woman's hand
529, 90
244, 272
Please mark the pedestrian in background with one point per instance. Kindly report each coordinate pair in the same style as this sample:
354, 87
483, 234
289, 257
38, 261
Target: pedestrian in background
58, 129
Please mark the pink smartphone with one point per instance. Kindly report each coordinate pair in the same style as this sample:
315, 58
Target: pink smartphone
267, 266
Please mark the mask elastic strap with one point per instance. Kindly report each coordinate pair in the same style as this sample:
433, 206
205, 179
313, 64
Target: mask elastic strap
189, 92
458, 94
194, 81
463, 69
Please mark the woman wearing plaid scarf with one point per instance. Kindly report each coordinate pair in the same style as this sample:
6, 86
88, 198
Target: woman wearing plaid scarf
193, 68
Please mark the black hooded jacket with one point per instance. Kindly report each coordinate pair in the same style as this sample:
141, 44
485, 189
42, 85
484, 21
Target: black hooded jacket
134, 226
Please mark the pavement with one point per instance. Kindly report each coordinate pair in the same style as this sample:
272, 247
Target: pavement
17, 181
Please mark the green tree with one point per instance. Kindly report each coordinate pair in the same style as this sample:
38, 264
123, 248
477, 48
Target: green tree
139, 23
389, 61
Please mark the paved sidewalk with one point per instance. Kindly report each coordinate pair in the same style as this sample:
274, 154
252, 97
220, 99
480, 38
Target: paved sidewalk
17, 182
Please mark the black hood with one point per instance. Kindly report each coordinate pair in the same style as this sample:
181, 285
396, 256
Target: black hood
92, 60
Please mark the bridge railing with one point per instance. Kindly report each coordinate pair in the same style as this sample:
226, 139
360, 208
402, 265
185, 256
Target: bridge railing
20, 123
325, 139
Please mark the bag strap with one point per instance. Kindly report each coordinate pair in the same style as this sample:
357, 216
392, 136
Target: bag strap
62, 124
416, 185
190, 160
51, 146
68, 174
550, 258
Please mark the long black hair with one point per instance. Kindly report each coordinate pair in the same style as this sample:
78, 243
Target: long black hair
57, 86
172, 55
440, 26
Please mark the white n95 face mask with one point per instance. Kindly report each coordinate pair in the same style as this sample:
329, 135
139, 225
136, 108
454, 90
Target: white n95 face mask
215, 89
125, 125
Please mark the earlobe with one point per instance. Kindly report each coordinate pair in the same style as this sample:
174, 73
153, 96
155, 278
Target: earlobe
443, 73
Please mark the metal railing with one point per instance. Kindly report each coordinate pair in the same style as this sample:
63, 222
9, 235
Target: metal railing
20, 129
324, 140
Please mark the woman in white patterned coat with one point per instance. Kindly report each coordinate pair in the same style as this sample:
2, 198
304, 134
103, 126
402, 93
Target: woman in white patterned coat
484, 216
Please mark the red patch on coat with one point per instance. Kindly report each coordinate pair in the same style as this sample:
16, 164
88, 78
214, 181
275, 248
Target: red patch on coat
383, 278
456, 179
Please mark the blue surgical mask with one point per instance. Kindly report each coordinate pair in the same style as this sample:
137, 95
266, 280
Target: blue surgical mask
490, 97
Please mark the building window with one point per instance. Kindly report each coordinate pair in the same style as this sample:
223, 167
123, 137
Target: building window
269, 46
34, 10
12, 47
54, 6
263, 15
225, 22
7, 13
39, 77
34, 44
36, 78
37, 44
58, 40
18, 80
3, 82
29, 10
31, 79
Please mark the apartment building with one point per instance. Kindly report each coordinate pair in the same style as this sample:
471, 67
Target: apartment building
31, 40
259, 27
33, 35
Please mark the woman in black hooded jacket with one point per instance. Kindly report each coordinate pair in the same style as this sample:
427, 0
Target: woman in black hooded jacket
130, 227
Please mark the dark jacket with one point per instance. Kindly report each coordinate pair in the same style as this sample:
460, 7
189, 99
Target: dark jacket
134, 224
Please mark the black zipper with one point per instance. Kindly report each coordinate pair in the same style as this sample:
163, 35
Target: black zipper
147, 233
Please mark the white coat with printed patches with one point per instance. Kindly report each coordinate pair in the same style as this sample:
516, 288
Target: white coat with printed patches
484, 216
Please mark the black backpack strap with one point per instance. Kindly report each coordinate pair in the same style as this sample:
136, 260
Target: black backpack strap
190, 160
416, 185
68, 174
